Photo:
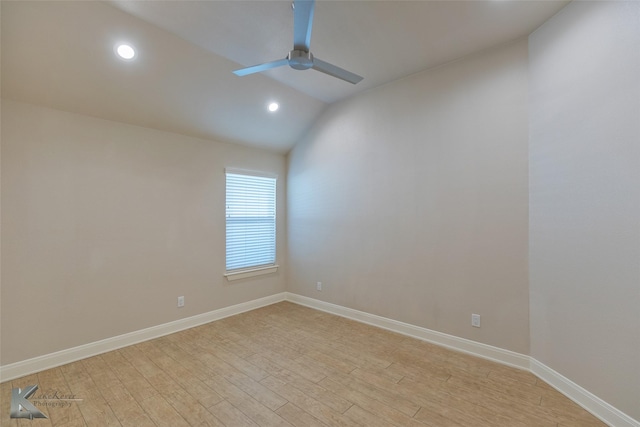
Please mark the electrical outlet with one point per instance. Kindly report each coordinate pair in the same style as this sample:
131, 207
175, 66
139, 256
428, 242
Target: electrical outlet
319, 286
180, 301
475, 320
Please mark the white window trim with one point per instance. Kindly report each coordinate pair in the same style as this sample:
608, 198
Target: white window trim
250, 172
245, 274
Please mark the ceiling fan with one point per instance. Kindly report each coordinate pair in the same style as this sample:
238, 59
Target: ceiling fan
301, 58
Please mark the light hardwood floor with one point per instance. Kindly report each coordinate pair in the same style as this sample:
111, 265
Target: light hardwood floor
288, 365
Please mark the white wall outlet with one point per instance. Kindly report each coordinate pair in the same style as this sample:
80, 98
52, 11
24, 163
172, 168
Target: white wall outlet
475, 320
319, 286
180, 301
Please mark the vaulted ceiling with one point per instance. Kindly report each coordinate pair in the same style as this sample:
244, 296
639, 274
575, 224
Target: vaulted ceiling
61, 55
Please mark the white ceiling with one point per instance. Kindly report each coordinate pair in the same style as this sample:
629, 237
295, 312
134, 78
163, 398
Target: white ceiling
60, 54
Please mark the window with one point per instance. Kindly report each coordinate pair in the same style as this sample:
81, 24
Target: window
251, 221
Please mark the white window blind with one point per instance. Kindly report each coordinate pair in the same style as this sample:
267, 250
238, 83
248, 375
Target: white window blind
251, 221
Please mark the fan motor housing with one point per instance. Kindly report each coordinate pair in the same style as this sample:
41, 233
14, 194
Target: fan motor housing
300, 59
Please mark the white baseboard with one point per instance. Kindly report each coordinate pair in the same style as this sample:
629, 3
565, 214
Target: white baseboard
48, 361
496, 354
598, 407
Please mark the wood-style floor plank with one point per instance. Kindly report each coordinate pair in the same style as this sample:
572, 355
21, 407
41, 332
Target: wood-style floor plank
286, 365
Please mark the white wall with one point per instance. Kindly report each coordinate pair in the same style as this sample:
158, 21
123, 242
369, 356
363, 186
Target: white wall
410, 201
104, 225
585, 198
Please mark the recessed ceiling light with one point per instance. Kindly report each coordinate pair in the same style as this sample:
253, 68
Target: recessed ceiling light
273, 107
125, 51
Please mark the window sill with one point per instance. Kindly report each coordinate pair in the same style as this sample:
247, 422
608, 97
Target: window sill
245, 274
